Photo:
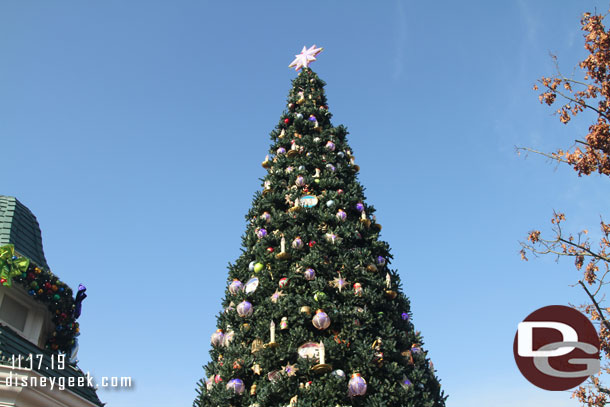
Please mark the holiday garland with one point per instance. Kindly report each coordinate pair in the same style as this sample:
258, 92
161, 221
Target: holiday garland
45, 287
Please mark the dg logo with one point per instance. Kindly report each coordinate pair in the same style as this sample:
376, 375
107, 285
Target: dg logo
557, 348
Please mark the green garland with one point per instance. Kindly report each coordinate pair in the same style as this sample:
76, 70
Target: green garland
45, 287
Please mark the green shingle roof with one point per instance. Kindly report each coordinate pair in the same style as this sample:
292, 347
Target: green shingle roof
19, 226
13, 344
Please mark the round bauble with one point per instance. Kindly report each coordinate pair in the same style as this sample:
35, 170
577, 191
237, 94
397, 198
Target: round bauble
244, 309
330, 146
235, 287
356, 385
321, 321
260, 233
359, 206
258, 267
300, 181
330, 203
281, 151
299, 116
310, 274
339, 373
297, 243
266, 216
341, 215
236, 386
283, 282
319, 296
218, 338
381, 261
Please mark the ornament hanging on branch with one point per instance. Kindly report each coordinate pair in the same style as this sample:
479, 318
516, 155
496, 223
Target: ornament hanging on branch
297, 243
310, 274
218, 338
339, 282
236, 386
391, 294
356, 385
244, 309
235, 287
283, 254
321, 320
251, 285
276, 296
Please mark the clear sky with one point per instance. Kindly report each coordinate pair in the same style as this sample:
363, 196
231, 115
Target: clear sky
134, 130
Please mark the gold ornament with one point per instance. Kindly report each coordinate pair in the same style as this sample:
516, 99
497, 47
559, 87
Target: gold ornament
266, 163
391, 294
257, 345
253, 390
306, 310
256, 368
339, 282
290, 370
372, 268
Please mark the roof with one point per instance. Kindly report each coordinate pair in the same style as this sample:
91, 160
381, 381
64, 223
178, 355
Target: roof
13, 344
19, 226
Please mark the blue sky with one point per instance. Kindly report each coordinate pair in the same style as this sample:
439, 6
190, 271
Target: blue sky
135, 131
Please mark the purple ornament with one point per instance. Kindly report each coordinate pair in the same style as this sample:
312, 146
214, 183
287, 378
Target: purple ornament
330, 167
266, 216
218, 338
356, 385
235, 287
380, 261
359, 206
297, 243
310, 274
281, 150
78, 302
236, 385
415, 349
341, 215
312, 118
261, 233
405, 316
321, 320
300, 181
330, 146
406, 383
244, 309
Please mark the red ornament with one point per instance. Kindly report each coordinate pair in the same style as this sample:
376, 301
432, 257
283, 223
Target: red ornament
270, 249
2, 280
286, 120
339, 191
312, 243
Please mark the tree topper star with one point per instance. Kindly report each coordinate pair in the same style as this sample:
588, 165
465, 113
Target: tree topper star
306, 56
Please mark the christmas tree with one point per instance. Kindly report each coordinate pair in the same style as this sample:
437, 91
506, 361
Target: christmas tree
313, 314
